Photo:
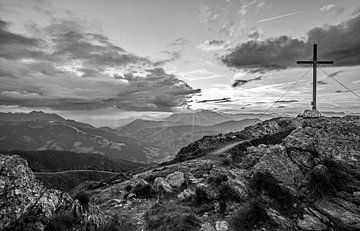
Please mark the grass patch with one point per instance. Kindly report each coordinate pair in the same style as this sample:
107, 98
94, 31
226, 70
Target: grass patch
227, 193
201, 197
265, 182
83, 198
144, 191
118, 223
62, 222
171, 217
217, 180
250, 215
330, 177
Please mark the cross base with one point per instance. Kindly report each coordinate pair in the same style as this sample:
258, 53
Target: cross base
311, 114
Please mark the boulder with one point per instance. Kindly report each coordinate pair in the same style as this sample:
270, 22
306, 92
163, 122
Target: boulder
221, 226
161, 184
186, 194
310, 223
175, 179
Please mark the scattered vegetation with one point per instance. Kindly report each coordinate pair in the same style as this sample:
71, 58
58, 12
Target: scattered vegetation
265, 182
248, 216
128, 188
330, 177
227, 193
62, 222
217, 180
83, 198
171, 217
201, 196
143, 191
226, 161
118, 223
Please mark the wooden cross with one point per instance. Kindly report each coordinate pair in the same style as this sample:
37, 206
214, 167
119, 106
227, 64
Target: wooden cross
314, 62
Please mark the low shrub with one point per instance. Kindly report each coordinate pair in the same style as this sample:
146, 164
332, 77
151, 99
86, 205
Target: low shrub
83, 198
171, 217
227, 193
118, 223
217, 180
62, 222
226, 161
265, 182
201, 196
248, 216
328, 178
128, 188
144, 191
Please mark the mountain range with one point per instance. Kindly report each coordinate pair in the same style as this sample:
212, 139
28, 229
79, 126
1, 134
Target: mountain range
143, 141
42, 131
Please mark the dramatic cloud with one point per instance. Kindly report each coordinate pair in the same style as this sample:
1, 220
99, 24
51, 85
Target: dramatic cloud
73, 69
240, 82
222, 100
167, 56
179, 43
212, 45
254, 35
286, 101
332, 8
340, 43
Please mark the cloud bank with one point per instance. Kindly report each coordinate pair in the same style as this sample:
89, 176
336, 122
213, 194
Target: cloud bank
340, 43
69, 68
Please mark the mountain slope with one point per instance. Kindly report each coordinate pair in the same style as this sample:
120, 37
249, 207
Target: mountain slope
172, 138
41, 133
56, 161
281, 174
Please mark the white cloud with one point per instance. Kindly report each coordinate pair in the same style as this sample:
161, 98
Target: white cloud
332, 8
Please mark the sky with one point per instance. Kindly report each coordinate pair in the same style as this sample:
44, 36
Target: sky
106, 62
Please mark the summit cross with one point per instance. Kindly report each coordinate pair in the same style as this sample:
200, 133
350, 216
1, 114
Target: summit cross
314, 62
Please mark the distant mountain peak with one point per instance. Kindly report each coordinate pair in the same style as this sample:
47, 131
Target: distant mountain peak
34, 115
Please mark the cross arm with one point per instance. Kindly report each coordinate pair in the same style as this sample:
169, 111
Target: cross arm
325, 62
304, 62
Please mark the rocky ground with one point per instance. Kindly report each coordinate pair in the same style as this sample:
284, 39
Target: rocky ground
281, 174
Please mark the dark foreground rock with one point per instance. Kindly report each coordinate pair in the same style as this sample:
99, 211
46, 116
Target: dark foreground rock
26, 204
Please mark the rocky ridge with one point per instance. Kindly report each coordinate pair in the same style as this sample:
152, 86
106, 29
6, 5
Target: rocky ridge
281, 174
27, 205
292, 173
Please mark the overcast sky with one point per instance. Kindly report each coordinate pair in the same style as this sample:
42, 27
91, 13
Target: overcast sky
100, 61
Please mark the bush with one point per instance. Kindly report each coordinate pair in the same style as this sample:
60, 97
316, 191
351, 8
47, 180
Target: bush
118, 224
83, 198
201, 196
227, 193
248, 216
226, 161
143, 191
265, 182
171, 217
328, 178
62, 222
128, 188
217, 180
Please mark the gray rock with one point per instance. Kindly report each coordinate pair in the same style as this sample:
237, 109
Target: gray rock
221, 226
311, 223
161, 184
175, 179
186, 194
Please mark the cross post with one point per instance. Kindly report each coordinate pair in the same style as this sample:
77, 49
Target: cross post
314, 62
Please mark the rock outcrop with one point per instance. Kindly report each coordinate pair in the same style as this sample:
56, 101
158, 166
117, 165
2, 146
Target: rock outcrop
277, 165
25, 202
281, 174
